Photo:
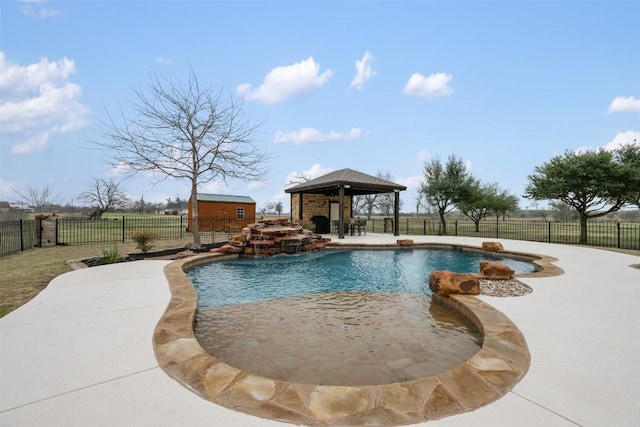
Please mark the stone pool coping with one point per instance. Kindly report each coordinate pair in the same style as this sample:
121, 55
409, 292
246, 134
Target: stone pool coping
502, 362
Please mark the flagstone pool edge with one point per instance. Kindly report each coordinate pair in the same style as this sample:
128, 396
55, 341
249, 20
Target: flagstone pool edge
500, 364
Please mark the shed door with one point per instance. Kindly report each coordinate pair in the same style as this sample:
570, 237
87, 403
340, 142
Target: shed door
334, 211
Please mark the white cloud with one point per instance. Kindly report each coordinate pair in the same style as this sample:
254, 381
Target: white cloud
215, 187
623, 138
6, 190
286, 82
433, 86
412, 182
33, 8
34, 144
121, 169
313, 172
306, 134
622, 104
468, 166
255, 185
164, 60
37, 101
363, 71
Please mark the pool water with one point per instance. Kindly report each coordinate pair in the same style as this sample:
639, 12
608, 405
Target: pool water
363, 317
246, 280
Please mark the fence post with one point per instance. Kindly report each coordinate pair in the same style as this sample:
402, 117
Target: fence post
456, 227
424, 227
21, 237
618, 229
549, 232
497, 233
181, 226
39, 232
122, 228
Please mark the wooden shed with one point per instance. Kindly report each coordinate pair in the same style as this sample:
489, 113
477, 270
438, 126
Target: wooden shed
223, 212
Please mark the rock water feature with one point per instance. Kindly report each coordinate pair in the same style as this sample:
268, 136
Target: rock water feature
270, 237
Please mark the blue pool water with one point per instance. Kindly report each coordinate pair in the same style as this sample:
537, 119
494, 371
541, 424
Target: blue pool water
247, 280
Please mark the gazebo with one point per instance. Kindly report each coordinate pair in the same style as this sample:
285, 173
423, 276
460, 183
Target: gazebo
330, 196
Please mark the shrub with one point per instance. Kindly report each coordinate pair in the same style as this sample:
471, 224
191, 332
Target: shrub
111, 255
144, 240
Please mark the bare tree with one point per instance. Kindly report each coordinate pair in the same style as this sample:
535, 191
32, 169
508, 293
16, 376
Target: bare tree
40, 199
268, 207
298, 179
186, 132
420, 203
103, 196
384, 202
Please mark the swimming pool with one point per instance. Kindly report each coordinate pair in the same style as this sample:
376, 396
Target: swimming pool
346, 317
247, 280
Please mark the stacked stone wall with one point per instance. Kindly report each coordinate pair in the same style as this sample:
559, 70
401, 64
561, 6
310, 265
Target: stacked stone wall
316, 205
46, 233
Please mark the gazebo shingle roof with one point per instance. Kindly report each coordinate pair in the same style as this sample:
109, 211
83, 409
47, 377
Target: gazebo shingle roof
358, 182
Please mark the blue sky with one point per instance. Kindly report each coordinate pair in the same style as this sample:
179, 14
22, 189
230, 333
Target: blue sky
372, 86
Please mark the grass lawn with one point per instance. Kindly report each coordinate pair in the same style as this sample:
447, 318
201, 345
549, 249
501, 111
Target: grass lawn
25, 274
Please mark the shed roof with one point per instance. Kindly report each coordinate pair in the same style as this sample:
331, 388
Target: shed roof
228, 198
357, 182
183, 204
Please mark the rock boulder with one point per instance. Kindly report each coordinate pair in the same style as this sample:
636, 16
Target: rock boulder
405, 242
444, 283
492, 246
495, 270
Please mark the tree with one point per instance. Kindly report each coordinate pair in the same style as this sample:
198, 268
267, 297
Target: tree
629, 156
562, 212
103, 196
594, 183
445, 186
39, 199
386, 202
420, 203
485, 199
503, 202
478, 204
278, 208
186, 132
383, 202
268, 207
298, 179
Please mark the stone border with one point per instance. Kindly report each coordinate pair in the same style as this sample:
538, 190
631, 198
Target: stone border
501, 363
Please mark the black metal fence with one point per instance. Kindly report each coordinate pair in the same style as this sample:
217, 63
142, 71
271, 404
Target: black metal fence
21, 235
17, 235
599, 233
82, 231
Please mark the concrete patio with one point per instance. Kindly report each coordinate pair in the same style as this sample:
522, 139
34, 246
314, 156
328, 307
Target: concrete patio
80, 353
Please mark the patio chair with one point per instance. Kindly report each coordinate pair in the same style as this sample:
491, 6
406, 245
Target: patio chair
335, 226
362, 227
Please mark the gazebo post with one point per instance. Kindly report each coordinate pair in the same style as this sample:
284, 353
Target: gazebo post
341, 213
396, 213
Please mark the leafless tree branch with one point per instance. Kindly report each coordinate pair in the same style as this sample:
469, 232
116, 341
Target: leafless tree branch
187, 132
